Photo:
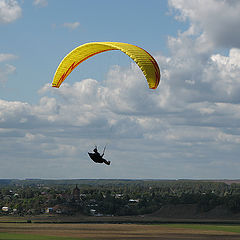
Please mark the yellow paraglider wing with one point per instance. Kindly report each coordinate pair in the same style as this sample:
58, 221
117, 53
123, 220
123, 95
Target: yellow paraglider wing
143, 59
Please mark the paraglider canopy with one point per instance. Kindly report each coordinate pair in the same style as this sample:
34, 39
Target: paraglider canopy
143, 59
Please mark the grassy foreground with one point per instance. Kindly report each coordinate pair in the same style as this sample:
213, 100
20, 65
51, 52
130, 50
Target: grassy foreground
43, 231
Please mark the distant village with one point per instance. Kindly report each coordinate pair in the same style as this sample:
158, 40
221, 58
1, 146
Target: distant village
31, 201
115, 198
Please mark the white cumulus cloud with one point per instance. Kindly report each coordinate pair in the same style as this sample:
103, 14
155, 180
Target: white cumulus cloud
40, 3
71, 25
5, 71
9, 11
6, 56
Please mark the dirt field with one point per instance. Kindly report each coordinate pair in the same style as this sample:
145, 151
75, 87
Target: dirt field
118, 231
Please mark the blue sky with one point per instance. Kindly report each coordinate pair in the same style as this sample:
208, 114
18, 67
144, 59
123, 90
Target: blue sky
44, 33
187, 128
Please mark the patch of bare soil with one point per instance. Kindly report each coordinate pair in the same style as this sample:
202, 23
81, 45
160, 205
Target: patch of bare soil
191, 211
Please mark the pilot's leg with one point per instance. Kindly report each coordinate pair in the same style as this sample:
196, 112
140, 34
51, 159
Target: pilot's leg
106, 161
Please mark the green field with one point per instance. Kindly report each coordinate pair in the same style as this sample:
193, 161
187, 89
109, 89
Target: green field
17, 236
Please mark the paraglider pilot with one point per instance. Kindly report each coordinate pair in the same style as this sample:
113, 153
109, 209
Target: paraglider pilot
97, 157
